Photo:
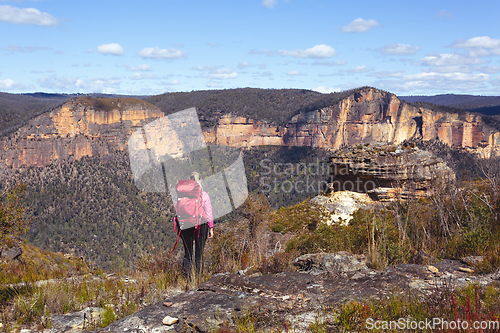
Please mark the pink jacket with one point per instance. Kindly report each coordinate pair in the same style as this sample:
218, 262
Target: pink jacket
207, 206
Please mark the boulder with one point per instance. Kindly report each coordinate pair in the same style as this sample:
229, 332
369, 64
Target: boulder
12, 253
339, 206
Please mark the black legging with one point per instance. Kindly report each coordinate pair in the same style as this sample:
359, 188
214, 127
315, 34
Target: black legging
188, 236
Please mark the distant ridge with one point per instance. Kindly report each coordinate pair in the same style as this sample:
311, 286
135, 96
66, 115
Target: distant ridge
17, 109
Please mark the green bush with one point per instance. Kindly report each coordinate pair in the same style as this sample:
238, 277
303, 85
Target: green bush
108, 316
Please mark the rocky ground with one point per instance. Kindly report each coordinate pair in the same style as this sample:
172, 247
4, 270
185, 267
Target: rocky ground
294, 297
298, 298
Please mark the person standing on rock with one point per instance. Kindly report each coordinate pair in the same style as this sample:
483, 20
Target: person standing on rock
194, 219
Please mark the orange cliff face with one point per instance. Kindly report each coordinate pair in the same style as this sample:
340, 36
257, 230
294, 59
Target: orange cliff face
369, 115
78, 128
92, 127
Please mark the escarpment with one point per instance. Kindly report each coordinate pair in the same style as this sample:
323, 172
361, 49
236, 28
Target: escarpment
367, 115
80, 127
93, 127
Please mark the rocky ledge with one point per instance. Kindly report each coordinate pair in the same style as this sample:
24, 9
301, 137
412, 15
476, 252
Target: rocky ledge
386, 172
295, 297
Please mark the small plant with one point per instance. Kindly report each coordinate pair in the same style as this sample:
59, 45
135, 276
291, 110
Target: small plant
108, 316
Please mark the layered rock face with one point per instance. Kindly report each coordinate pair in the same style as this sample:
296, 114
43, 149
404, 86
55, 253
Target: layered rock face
89, 127
81, 127
386, 172
368, 115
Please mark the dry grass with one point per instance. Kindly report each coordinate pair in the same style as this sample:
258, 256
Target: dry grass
450, 224
74, 286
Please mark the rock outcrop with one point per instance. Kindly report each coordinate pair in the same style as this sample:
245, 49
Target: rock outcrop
387, 172
88, 127
11, 253
341, 205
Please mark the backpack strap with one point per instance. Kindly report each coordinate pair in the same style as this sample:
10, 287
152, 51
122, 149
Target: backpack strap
176, 221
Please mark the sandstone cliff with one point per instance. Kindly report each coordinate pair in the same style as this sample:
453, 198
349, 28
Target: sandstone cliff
367, 115
91, 127
81, 127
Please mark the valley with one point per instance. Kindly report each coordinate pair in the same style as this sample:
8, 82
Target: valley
433, 194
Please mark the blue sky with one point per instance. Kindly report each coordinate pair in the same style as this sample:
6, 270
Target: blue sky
152, 47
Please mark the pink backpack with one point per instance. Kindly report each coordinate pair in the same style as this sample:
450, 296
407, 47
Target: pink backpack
189, 207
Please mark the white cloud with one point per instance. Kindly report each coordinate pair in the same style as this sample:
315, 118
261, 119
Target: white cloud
217, 73
204, 68
403, 49
489, 69
358, 69
295, 73
142, 67
329, 63
420, 86
223, 73
266, 74
16, 15
326, 90
483, 41
479, 46
73, 84
360, 25
432, 76
142, 76
315, 52
7, 84
173, 82
444, 13
245, 64
269, 3
212, 84
157, 53
386, 74
450, 63
448, 59
112, 48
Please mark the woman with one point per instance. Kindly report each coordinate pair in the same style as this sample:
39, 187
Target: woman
198, 237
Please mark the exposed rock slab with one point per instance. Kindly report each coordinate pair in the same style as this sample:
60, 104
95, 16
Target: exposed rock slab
330, 279
340, 205
331, 262
76, 321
